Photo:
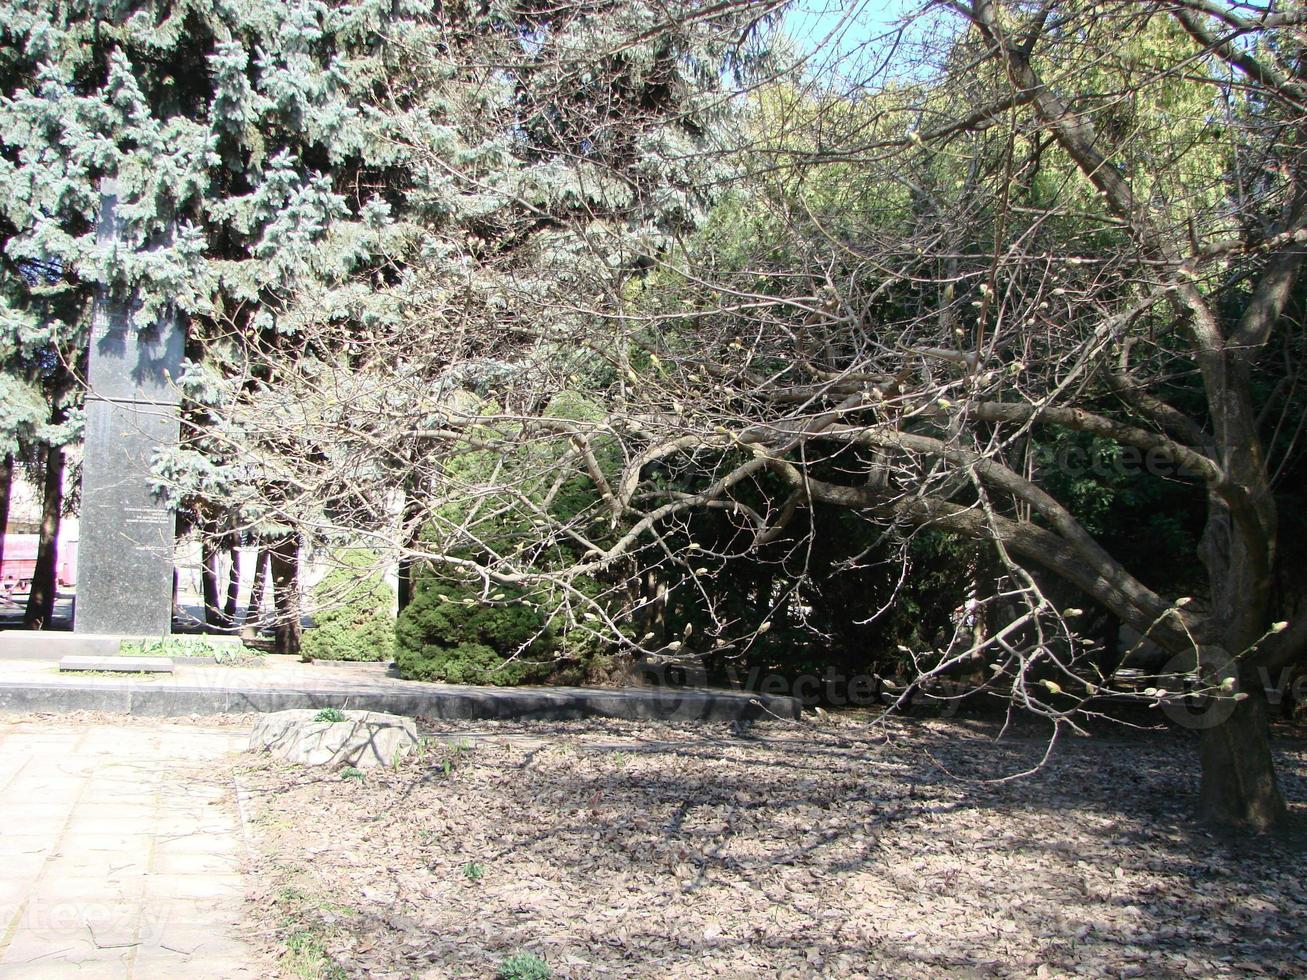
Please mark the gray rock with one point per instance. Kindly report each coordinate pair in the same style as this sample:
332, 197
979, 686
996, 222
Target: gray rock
362, 740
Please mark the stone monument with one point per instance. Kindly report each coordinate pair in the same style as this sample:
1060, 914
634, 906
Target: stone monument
125, 555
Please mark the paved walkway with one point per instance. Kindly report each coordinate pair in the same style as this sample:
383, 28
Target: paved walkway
120, 853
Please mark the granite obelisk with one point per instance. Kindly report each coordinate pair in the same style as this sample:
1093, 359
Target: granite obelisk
125, 554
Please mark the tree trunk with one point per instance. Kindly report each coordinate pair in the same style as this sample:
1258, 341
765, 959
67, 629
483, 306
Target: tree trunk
1239, 786
6, 483
254, 611
407, 563
209, 577
40, 602
405, 582
233, 580
284, 562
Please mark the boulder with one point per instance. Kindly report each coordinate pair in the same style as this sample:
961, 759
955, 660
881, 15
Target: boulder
363, 739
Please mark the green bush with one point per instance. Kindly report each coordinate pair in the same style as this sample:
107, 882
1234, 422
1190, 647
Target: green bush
448, 633
355, 617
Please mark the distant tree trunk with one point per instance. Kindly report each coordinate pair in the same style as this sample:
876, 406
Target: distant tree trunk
6, 482
209, 575
178, 532
405, 582
284, 563
233, 580
407, 563
40, 602
254, 611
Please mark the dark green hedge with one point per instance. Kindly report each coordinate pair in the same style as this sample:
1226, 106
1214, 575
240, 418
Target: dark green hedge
450, 633
355, 612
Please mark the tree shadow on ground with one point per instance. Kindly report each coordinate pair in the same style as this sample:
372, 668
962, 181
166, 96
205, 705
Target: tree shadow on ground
843, 851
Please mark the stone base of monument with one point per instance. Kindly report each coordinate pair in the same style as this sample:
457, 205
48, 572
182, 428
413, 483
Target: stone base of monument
49, 645
363, 739
55, 644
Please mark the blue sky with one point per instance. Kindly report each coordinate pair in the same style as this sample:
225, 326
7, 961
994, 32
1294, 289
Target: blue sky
857, 33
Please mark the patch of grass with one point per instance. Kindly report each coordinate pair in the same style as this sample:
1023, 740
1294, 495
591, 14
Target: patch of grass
304, 942
336, 908
524, 966
330, 714
306, 957
453, 755
241, 656
349, 772
230, 654
473, 871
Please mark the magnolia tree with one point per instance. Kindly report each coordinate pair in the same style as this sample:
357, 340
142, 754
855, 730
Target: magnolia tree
1022, 230
1072, 221
1069, 222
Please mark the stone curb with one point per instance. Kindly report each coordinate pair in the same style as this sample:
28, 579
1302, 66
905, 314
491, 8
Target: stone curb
447, 703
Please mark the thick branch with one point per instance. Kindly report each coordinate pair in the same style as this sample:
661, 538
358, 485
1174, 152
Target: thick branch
1078, 419
1123, 595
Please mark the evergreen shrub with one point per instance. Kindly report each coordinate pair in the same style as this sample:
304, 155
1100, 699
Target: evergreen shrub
355, 617
449, 633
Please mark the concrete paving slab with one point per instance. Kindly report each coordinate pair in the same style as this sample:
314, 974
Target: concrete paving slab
112, 867
115, 813
195, 864
92, 890
62, 971
108, 924
187, 844
43, 813
65, 945
21, 644
196, 888
95, 886
187, 823
163, 964
25, 866
18, 845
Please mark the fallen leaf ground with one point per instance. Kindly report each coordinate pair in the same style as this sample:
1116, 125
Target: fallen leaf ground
843, 850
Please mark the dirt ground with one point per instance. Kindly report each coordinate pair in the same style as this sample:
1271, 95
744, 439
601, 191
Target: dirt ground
841, 849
